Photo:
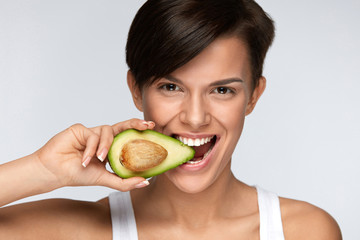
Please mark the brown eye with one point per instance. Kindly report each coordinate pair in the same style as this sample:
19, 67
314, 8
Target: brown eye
222, 90
170, 87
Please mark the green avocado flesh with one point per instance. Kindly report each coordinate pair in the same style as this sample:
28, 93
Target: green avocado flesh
177, 152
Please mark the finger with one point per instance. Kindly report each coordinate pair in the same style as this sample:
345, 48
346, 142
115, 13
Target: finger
150, 124
97, 129
106, 138
132, 123
113, 181
92, 142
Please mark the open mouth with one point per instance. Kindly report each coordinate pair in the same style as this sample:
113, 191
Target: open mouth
202, 147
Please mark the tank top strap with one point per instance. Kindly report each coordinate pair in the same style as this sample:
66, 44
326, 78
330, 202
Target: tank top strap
270, 215
122, 216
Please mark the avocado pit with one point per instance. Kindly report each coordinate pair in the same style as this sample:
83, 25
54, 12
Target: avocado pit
139, 155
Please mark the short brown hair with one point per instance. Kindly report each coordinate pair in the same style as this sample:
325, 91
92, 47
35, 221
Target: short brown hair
166, 34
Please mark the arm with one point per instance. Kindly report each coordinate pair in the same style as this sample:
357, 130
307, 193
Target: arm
24, 177
69, 159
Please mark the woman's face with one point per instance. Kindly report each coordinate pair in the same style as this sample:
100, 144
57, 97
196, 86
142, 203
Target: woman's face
205, 100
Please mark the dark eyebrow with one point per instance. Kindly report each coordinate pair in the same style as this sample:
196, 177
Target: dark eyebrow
226, 81
216, 83
172, 79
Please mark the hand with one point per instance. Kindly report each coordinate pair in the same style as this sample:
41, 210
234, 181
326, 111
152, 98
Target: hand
76, 156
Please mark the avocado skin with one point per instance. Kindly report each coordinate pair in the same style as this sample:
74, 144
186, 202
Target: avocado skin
178, 152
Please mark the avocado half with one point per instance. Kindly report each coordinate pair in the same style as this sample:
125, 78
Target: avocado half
177, 152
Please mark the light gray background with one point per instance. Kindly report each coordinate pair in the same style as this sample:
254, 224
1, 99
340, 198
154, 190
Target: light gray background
62, 62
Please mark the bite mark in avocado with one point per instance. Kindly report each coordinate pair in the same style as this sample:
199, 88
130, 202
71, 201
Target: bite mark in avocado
143, 153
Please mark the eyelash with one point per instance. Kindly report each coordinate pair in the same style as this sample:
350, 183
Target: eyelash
166, 87
170, 87
228, 90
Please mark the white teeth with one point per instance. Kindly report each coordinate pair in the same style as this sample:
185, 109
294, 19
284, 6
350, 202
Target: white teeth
194, 141
194, 162
205, 155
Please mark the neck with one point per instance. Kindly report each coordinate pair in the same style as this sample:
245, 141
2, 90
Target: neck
193, 209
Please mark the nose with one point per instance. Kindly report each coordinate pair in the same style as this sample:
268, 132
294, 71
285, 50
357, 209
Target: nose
195, 112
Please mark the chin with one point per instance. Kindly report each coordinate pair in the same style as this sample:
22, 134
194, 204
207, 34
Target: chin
189, 184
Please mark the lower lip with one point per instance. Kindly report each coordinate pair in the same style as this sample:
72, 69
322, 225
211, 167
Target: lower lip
202, 164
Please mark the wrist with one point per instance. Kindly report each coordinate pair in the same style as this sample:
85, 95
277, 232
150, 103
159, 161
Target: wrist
23, 178
45, 179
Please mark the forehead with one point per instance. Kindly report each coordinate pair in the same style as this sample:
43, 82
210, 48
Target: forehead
225, 57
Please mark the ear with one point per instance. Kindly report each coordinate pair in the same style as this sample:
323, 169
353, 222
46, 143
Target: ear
258, 91
135, 91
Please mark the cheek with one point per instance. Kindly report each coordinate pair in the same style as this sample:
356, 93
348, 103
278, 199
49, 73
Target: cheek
159, 110
230, 114
231, 117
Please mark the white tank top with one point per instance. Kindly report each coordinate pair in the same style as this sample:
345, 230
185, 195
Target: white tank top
124, 224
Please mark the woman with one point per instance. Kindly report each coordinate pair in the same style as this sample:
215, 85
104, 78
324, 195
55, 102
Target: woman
195, 71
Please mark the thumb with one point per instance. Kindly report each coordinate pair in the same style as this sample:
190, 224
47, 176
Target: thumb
111, 180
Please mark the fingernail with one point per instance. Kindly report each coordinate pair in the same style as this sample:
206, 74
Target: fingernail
149, 123
86, 161
142, 184
101, 156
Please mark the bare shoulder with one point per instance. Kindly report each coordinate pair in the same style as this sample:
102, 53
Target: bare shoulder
56, 219
302, 220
